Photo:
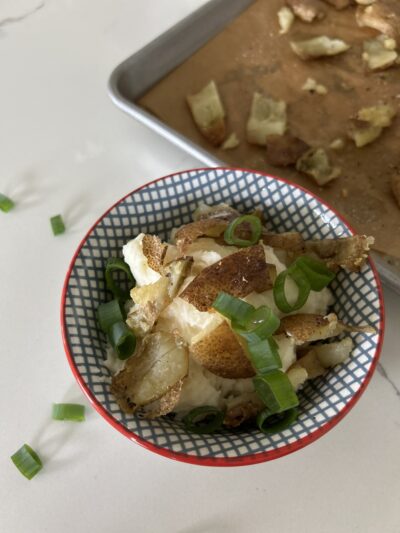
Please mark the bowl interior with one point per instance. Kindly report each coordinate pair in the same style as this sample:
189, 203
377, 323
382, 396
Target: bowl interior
170, 202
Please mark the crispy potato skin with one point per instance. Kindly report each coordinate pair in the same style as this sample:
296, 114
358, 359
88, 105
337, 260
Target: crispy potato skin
207, 227
221, 353
267, 117
216, 132
166, 403
237, 415
208, 113
154, 250
317, 47
284, 150
349, 253
315, 163
159, 364
238, 274
308, 327
383, 16
290, 241
307, 10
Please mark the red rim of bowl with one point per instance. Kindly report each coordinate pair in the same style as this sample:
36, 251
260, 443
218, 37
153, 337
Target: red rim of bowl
221, 461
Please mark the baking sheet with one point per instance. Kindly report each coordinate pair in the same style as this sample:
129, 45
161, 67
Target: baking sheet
250, 55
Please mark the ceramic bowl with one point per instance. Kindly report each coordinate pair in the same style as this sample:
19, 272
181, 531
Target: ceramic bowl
164, 204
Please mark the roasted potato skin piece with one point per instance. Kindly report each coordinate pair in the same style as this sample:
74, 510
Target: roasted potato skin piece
149, 300
161, 361
380, 53
231, 142
362, 133
221, 353
316, 164
267, 117
308, 327
165, 404
317, 47
307, 10
243, 412
349, 253
380, 116
208, 113
206, 227
285, 19
383, 16
154, 250
238, 274
291, 241
284, 150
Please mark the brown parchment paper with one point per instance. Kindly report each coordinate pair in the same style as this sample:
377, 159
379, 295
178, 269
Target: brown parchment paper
250, 55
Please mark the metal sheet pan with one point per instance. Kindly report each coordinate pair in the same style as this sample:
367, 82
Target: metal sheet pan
136, 75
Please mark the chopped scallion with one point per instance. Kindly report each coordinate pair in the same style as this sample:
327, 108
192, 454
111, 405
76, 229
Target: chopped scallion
108, 314
122, 340
276, 391
233, 308
205, 419
27, 461
264, 355
260, 324
316, 272
255, 226
274, 423
68, 411
115, 264
6, 204
57, 225
303, 285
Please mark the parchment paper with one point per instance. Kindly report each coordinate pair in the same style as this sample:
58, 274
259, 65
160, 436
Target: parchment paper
250, 55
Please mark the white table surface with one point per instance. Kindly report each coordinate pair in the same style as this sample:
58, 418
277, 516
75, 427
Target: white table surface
66, 149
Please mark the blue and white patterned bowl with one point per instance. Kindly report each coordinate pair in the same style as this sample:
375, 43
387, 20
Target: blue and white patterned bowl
169, 202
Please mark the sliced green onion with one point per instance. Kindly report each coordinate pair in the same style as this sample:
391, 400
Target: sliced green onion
303, 286
6, 204
108, 314
276, 391
122, 340
255, 228
317, 273
68, 411
27, 461
57, 225
233, 308
260, 324
112, 265
205, 419
274, 423
264, 355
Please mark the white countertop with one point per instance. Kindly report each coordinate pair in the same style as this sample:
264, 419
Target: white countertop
65, 148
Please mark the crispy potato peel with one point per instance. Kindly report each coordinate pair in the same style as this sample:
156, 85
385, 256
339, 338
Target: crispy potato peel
161, 362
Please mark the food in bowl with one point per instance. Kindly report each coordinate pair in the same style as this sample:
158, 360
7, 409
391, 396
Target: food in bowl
224, 324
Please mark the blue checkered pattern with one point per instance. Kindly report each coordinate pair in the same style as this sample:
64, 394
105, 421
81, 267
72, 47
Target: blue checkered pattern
168, 203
